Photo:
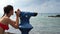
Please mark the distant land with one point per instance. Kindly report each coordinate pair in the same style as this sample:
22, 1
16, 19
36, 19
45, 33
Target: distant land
54, 16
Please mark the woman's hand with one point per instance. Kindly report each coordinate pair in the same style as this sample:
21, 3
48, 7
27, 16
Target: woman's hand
17, 12
17, 17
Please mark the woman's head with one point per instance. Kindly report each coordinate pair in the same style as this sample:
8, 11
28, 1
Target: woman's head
8, 10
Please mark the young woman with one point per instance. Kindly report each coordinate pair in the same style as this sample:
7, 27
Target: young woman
5, 19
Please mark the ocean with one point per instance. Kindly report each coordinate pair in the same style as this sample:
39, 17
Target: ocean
42, 24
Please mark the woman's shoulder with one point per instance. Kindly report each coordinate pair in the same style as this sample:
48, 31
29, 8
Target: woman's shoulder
4, 18
7, 20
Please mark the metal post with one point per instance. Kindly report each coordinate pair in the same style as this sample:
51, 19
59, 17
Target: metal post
24, 30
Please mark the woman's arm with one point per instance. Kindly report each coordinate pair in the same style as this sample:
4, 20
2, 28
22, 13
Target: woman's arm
15, 23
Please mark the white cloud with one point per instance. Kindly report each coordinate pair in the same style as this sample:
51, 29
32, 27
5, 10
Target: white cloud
6, 2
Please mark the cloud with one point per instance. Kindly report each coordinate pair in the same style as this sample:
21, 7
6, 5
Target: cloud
28, 5
50, 7
42, 6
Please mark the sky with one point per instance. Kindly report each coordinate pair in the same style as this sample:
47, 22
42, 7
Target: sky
40, 6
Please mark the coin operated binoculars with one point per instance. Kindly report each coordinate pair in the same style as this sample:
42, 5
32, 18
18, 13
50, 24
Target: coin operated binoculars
25, 25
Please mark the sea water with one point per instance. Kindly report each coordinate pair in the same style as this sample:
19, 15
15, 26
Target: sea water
42, 24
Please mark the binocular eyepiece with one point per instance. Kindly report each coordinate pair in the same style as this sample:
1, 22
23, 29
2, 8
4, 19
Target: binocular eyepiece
35, 14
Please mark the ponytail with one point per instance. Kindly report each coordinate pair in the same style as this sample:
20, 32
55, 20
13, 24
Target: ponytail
3, 14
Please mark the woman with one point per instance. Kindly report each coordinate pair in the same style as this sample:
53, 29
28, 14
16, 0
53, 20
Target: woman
5, 20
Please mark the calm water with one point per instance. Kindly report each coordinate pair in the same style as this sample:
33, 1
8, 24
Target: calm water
42, 24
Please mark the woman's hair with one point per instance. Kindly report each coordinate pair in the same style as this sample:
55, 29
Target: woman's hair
7, 9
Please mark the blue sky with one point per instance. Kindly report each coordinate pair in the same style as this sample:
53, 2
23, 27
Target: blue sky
40, 6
